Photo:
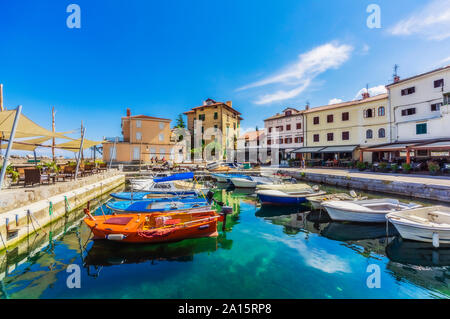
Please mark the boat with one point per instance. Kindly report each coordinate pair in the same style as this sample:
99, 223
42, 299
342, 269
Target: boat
164, 184
225, 178
277, 197
365, 211
284, 187
137, 196
426, 224
250, 181
154, 227
316, 201
355, 231
158, 205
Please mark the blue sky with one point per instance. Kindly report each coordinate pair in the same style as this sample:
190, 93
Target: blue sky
161, 58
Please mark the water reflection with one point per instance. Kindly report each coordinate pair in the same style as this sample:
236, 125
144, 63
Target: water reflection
106, 253
418, 254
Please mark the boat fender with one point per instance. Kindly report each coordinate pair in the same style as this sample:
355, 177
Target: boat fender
203, 226
435, 240
226, 210
115, 236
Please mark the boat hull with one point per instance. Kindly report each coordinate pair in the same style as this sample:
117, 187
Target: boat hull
243, 183
279, 200
423, 234
358, 217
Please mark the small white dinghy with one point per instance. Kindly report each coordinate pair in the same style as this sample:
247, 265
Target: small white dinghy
426, 224
365, 211
251, 181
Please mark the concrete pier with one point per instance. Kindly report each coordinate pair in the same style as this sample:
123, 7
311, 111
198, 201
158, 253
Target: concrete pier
419, 186
51, 204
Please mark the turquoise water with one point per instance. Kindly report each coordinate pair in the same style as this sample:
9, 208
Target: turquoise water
264, 253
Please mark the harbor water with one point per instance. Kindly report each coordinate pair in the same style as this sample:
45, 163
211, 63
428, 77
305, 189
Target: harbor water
265, 252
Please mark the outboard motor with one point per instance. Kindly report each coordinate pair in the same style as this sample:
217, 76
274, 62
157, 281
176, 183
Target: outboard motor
209, 196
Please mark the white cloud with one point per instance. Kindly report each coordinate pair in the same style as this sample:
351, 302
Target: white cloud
316, 258
431, 22
335, 101
445, 60
294, 79
365, 49
380, 89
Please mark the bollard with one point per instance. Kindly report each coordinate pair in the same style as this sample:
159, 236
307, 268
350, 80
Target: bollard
435, 240
17, 220
225, 211
7, 224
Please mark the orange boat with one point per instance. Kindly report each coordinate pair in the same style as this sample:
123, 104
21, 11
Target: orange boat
154, 227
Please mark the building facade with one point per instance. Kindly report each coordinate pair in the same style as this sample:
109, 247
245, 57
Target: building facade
420, 106
285, 131
214, 123
145, 138
336, 132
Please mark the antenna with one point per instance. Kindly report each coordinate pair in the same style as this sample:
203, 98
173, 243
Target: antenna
395, 70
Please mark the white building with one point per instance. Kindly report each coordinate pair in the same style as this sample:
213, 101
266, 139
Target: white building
285, 131
420, 106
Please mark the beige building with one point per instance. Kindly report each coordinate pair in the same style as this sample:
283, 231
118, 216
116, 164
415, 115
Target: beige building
337, 131
145, 138
214, 122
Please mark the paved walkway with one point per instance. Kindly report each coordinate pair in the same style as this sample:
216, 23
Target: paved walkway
411, 178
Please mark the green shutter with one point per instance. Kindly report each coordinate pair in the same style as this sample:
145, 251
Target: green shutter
421, 128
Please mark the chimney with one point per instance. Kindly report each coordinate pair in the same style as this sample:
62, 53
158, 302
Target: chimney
128, 112
229, 103
1, 97
365, 95
396, 78
307, 107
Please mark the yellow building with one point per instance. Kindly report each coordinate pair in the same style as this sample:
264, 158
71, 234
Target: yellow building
212, 119
335, 132
145, 138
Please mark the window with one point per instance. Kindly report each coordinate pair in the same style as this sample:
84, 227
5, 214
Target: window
216, 115
381, 133
136, 153
161, 137
301, 139
410, 111
288, 113
269, 142
299, 126
270, 130
316, 137
446, 99
436, 107
138, 136
369, 134
409, 91
316, 120
203, 129
279, 128
280, 141
298, 139
439, 83
345, 136
161, 126
215, 128
234, 126
381, 111
288, 127
369, 113
330, 118
201, 117
288, 140
421, 128
330, 136
138, 123
345, 116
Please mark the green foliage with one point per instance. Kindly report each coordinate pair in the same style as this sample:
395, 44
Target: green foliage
394, 167
383, 166
406, 167
180, 121
433, 167
361, 166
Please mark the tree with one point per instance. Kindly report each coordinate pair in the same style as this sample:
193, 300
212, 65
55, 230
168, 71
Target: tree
180, 121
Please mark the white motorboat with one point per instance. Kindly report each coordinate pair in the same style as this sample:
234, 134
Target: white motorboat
250, 181
365, 211
316, 201
277, 197
426, 224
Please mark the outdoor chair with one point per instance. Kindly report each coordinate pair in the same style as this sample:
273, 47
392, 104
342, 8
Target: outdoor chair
416, 166
34, 176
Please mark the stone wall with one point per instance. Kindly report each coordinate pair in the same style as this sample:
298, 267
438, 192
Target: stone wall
418, 190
